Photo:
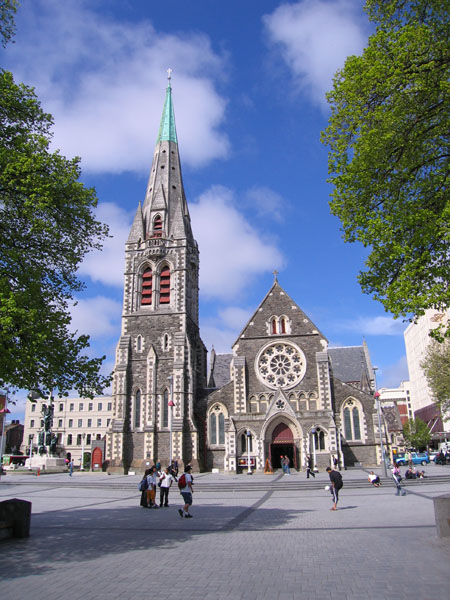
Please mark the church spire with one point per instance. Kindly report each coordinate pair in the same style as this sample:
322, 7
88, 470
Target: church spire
167, 130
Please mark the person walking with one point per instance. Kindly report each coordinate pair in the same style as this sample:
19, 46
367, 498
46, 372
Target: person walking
397, 480
309, 467
70, 467
165, 483
143, 486
287, 465
282, 463
186, 490
336, 485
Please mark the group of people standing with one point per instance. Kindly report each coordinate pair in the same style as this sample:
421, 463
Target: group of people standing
155, 477
285, 464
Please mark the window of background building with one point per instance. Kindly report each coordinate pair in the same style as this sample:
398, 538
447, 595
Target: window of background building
88, 439
109, 406
99, 422
99, 436
70, 422
59, 422
89, 423
100, 406
72, 407
108, 421
91, 406
79, 439
69, 439
32, 423
61, 407
33, 408
42, 422
81, 406
80, 422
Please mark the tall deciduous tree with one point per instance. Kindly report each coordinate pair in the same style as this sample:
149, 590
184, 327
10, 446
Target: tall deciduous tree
47, 225
389, 154
436, 366
416, 434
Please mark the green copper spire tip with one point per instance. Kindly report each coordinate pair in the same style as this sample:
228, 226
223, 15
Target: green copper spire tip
167, 130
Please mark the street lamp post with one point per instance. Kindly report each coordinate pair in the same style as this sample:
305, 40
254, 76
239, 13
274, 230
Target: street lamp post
31, 450
383, 458
171, 405
83, 437
249, 467
313, 435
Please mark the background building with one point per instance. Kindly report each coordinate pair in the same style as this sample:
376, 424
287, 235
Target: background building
77, 424
417, 339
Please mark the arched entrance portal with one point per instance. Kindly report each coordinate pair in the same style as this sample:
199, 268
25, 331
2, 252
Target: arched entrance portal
282, 445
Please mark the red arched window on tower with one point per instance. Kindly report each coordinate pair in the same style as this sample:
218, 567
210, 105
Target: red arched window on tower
274, 325
164, 287
147, 286
157, 226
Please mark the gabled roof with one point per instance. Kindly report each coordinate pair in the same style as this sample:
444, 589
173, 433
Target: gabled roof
351, 364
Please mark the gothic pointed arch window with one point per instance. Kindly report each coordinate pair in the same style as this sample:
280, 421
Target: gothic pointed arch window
137, 409
246, 443
157, 227
216, 426
283, 325
352, 418
147, 287
165, 409
164, 285
273, 325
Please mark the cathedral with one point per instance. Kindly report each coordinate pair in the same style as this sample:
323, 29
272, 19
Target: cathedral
282, 391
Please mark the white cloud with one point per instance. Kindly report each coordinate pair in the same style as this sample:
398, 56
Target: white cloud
107, 265
232, 251
393, 375
315, 37
104, 83
266, 203
372, 326
235, 317
96, 317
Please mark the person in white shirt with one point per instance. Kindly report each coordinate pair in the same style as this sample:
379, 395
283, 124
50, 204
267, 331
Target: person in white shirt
186, 492
165, 483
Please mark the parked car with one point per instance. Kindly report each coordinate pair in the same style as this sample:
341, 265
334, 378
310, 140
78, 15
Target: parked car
418, 458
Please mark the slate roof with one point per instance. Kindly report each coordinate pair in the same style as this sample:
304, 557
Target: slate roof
220, 370
351, 364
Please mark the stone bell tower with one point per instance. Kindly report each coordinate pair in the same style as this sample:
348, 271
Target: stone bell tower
160, 359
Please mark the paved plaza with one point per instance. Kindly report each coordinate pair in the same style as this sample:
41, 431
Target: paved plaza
251, 537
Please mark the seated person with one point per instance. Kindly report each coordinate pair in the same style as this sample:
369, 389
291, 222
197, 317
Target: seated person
410, 474
374, 479
420, 474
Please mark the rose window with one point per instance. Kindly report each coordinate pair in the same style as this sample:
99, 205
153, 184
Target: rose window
280, 365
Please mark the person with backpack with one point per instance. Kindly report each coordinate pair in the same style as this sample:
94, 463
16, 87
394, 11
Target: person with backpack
152, 478
165, 483
143, 487
186, 490
336, 485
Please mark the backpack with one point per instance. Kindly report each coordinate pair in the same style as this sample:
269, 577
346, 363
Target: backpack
339, 484
182, 481
143, 485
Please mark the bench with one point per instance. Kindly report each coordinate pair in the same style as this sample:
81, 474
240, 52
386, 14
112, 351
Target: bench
15, 517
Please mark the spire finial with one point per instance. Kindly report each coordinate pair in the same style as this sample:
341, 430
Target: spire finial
169, 76
275, 278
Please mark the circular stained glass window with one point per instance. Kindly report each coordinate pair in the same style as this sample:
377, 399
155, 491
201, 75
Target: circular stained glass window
280, 365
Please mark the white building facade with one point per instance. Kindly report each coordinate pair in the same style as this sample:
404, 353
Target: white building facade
77, 424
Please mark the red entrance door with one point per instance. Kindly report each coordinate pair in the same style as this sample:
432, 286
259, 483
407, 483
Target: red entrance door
97, 458
282, 444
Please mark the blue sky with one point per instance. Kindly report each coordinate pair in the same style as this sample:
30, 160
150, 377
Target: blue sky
248, 80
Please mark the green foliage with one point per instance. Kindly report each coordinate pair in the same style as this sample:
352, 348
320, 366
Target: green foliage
47, 226
8, 9
416, 434
436, 366
389, 154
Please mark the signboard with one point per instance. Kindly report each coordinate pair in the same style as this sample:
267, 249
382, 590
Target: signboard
243, 462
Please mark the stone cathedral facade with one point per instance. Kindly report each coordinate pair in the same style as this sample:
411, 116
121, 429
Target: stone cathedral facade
160, 358
278, 393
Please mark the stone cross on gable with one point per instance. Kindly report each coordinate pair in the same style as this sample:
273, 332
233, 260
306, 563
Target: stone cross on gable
275, 273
